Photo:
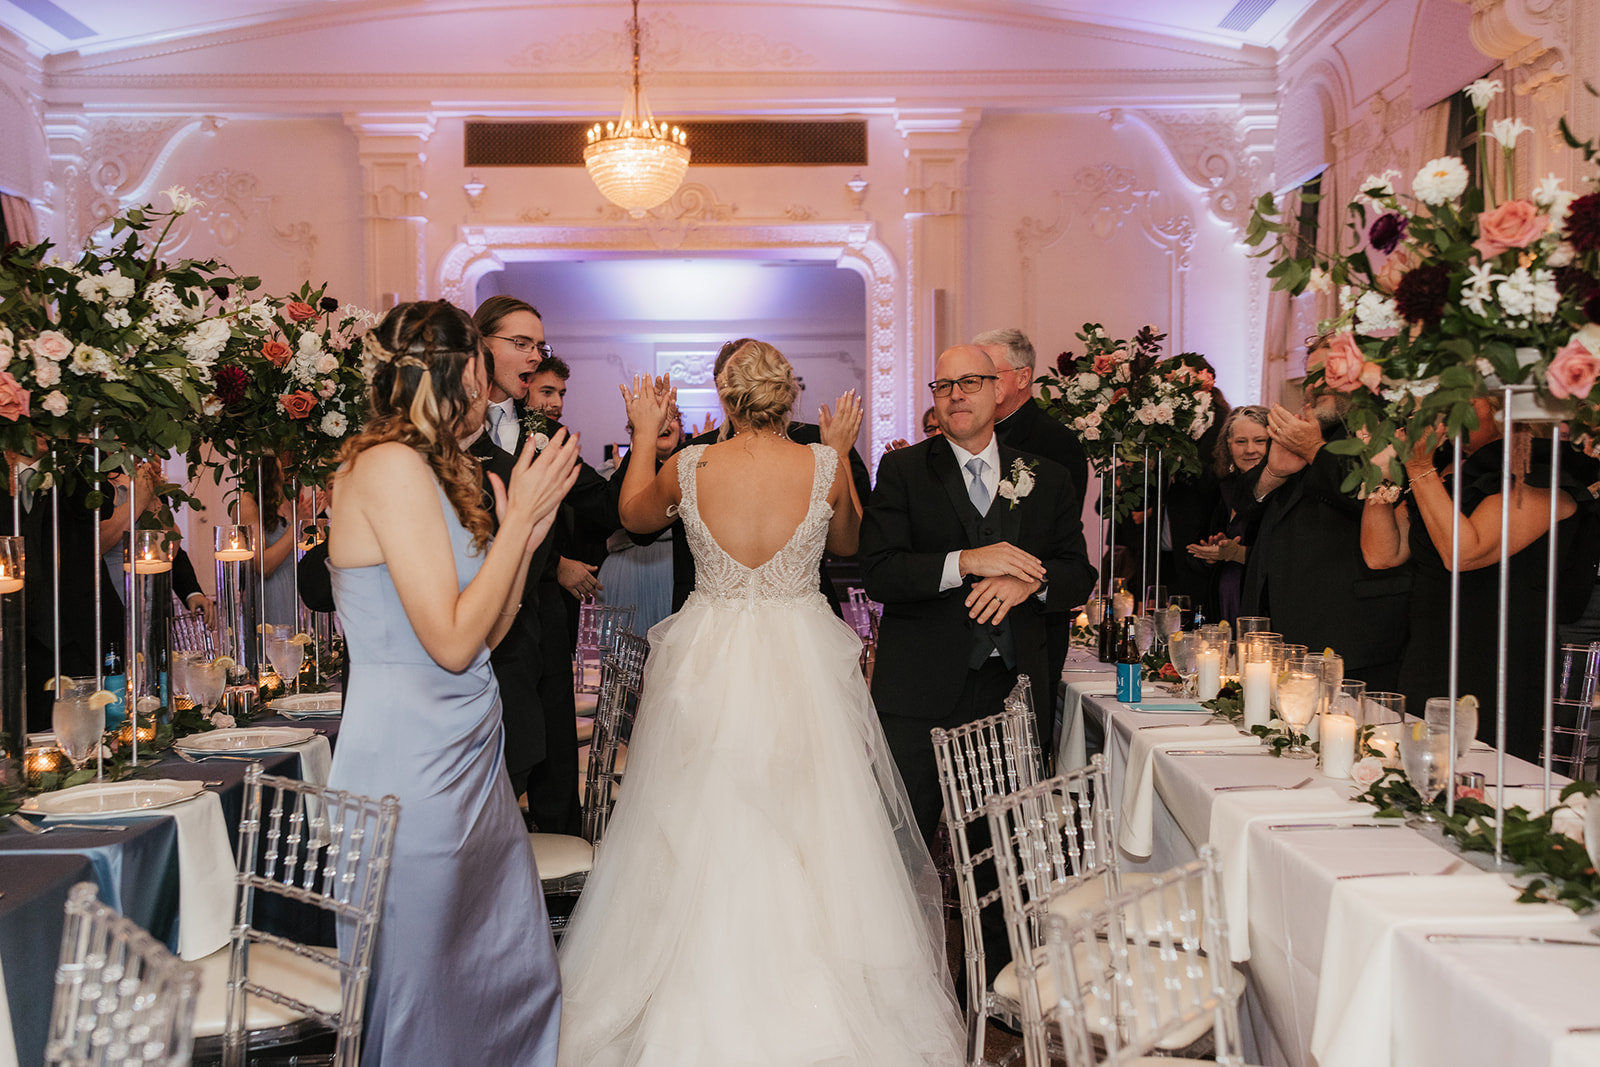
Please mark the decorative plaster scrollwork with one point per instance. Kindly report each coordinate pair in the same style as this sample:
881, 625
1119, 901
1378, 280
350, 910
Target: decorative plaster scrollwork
799, 212
692, 368
231, 203
668, 225
103, 165
1213, 151
667, 43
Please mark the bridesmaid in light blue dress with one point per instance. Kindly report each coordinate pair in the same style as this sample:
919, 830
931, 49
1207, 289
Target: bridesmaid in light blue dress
464, 970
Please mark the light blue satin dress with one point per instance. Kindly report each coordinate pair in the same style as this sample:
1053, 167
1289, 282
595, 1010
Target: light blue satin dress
465, 971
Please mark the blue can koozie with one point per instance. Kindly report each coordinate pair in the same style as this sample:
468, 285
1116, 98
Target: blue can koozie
1128, 682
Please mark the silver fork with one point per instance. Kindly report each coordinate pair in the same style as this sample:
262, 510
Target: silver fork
34, 828
1243, 788
213, 755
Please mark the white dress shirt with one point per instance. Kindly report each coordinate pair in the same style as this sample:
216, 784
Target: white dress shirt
504, 430
991, 484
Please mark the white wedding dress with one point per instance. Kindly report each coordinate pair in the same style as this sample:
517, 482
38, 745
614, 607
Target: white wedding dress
762, 896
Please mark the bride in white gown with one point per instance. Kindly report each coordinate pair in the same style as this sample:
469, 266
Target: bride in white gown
762, 896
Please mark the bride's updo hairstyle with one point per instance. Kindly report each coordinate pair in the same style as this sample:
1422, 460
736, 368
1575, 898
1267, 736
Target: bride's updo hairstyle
416, 361
758, 387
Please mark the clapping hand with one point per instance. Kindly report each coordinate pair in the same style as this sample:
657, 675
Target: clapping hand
1299, 436
839, 430
649, 403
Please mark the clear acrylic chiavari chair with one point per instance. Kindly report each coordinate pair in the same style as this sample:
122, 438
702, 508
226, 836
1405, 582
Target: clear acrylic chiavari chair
191, 634
121, 998
1577, 686
1132, 994
991, 757
599, 626
322, 847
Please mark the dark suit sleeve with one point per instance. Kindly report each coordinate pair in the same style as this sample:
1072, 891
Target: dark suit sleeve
1324, 475
860, 476
184, 580
891, 570
1068, 574
316, 584
594, 510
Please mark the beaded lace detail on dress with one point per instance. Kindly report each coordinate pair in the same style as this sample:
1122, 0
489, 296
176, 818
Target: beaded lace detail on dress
791, 574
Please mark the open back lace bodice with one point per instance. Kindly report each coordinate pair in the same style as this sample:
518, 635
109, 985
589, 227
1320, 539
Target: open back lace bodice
791, 573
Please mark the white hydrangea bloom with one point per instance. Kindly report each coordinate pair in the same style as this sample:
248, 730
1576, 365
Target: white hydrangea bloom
1376, 312
118, 318
207, 340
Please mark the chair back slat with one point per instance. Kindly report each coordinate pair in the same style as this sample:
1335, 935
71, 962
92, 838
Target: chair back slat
621, 684
120, 998
1145, 966
599, 627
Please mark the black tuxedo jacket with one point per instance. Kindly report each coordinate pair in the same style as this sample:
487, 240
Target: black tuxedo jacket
1031, 429
516, 658
919, 513
801, 433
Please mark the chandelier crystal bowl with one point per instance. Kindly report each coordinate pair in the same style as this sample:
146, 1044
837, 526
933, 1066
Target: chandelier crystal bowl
636, 162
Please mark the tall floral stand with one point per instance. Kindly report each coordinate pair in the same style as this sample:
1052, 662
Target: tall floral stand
237, 614
147, 578
13, 695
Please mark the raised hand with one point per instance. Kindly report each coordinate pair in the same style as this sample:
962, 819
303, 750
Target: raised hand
1001, 558
1296, 434
649, 404
839, 430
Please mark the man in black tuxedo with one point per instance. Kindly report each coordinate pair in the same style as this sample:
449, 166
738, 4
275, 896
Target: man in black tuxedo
539, 706
802, 433
1020, 423
965, 588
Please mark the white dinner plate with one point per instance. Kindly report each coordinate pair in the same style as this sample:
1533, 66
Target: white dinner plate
308, 705
106, 798
245, 739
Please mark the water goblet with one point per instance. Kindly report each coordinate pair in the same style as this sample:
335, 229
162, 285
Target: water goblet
77, 721
1144, 633
1299, 687
1436, 713
1169, 621
1155, 598
1425, 757
285, 652
1184, 651
207, 679
1095, 609
1185, 608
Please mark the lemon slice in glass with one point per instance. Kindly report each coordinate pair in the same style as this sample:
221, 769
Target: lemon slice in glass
101, 697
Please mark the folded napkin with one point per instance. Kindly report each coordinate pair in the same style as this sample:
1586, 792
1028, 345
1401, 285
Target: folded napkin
1568, 1050
1134, 817
1231, 816
8, 1041
205, 869
1355, 994
1071, 754
316, 758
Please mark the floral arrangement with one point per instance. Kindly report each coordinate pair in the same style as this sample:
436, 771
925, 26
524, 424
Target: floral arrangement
298, 391
1121, 397
537, 427
1548, 848
116, 343
1451, 290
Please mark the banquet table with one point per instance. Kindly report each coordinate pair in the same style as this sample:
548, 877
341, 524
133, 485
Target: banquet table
139, 872
1332, 922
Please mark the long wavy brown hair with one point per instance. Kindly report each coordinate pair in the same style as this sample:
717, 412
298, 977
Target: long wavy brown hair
419, 397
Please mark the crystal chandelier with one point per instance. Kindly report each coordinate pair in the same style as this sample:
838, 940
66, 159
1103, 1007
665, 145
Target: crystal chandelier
636, 162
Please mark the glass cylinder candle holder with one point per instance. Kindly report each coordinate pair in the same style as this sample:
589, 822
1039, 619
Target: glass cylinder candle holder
41, 760
13, 705
237, 612
147, 578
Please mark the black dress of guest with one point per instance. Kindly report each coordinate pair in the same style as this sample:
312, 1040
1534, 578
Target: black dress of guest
1227, 576
1424, 671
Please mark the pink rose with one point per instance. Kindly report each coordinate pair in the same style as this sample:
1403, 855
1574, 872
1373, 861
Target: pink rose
1400, 263
1104, 363
1367, 771
298, 312
276, 352
13, 397
52, 345
1573, 371
1344, 366
327, 387
1514, 224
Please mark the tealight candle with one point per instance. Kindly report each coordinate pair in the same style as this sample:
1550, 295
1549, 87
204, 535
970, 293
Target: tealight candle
40, 761
9, 585
1257, 693
235, 555
1338, 745
1210, 679
1385, 741
1082, 621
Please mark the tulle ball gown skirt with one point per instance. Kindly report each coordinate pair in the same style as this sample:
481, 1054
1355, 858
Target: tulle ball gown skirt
762, 895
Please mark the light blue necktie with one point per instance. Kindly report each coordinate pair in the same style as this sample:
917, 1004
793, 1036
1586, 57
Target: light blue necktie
497, 418
975, 489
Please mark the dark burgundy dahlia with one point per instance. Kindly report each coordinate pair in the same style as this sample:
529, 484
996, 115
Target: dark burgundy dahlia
1421, 294
231, 384
329, 304
1064, 364
1387, 230
1583, 223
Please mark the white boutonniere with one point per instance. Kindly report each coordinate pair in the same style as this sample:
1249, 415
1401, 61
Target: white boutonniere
1020, 484
536, 424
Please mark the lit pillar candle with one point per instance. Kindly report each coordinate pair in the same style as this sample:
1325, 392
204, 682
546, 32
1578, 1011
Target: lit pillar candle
1082, 621
1210, 680
1257, 693
1338, 745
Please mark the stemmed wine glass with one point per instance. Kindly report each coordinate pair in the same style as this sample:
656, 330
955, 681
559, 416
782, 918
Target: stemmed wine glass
1299, 688
1168, 622
1437, 714
285, 652
207, 679
76, 719
1425, 756
1184, 651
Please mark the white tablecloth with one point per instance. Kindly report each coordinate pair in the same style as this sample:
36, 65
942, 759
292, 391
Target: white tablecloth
1453, 1004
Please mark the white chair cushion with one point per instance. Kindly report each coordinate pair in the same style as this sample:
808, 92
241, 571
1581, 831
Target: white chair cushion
587, 702
277, 969
560, 855
585, 730
1091, 896
1007, 986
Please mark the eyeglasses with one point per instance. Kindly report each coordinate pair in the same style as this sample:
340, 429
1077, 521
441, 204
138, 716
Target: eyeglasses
969, 383
526, 344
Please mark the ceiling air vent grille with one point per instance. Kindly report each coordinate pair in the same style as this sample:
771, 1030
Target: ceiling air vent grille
1244, 15
713, 144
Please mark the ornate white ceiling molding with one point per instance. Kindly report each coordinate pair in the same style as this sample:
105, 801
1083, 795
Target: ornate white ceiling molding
1215, 151
1534, 37
1368, 143
101, 165
1104, 196
667, 44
